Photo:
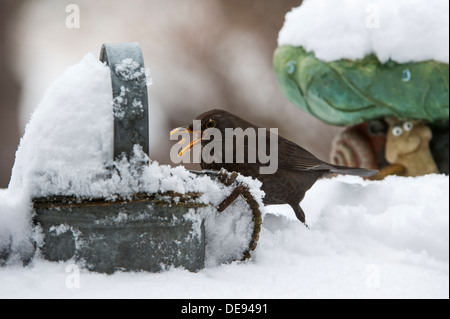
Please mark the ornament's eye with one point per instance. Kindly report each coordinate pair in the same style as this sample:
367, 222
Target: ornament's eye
397, 131
210, 124
408, 126
290, 67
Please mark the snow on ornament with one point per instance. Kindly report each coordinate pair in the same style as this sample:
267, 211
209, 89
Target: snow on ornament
333, 65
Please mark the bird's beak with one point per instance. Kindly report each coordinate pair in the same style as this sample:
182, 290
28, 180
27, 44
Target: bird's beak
182, 129
198, 135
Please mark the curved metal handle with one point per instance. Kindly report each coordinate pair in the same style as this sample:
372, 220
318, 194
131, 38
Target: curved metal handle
129, 89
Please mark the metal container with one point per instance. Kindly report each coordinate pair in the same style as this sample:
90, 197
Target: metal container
148, 232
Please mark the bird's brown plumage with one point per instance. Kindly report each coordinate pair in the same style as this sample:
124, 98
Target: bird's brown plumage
297, 170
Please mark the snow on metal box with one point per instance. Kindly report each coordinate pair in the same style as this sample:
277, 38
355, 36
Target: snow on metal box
125, 214
138, 235
145, 232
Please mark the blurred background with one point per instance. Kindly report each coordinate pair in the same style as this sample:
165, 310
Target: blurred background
202, 54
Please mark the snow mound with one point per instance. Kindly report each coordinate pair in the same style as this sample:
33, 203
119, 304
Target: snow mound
401, 30
390, 219
70, 135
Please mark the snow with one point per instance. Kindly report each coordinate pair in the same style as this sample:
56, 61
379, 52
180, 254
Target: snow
401, 30
367, 239
129, 70
70, 135
224, 233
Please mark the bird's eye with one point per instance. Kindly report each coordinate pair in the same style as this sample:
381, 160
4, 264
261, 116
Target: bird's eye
408, 126
397, 131
210, 124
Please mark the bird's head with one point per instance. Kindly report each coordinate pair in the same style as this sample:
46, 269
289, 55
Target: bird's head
214, 119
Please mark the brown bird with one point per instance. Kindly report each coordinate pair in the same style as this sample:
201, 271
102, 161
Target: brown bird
297, 169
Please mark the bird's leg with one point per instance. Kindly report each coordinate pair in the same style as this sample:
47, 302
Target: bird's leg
230, 199
300, 214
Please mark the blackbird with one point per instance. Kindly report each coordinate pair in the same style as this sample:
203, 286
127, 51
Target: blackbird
297, 169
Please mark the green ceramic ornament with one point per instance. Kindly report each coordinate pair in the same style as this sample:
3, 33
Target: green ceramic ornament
347, 92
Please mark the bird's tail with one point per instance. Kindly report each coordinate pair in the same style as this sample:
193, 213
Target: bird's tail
363, 172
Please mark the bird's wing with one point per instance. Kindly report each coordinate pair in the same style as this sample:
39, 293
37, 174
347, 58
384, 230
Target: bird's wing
295, 158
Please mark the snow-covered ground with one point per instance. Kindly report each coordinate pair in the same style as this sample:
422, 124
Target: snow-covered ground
381, 239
